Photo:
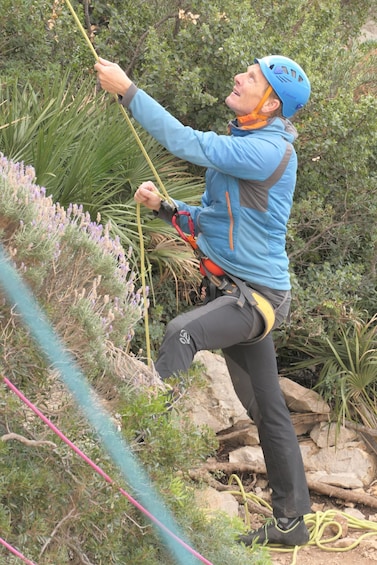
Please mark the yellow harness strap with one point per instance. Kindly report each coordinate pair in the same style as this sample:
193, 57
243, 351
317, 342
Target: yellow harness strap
265, 309
258, 301
229, 284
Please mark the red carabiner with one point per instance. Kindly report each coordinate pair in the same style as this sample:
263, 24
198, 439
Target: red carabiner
206, 264
189, 238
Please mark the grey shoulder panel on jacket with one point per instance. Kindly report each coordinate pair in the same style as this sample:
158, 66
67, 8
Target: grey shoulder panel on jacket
254, 193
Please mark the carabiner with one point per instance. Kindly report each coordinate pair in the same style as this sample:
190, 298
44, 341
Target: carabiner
174, 221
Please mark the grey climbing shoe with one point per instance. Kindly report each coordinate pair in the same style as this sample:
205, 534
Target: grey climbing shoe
276, 531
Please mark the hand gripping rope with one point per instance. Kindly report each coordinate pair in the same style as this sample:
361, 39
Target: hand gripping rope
163, 196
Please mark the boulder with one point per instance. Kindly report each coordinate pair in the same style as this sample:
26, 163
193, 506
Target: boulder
301, 399
328, 434
351, 459
251, 456
212, 501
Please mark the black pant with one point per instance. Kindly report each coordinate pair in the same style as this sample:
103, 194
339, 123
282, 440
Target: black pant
222, 324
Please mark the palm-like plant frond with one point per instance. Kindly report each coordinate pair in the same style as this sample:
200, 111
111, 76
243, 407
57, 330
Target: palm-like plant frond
84, 153
347, 370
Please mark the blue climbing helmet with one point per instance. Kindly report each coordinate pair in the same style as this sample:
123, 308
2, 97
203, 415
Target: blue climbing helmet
288, 80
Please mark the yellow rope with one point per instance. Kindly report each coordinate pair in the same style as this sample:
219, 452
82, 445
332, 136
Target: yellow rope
13, 122
143, 277
163, 195
318, 524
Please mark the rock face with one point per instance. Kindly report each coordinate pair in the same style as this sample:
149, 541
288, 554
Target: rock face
369, 31
217, 405
332, 455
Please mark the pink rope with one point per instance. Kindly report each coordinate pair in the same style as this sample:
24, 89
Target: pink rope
101, 472
16, 552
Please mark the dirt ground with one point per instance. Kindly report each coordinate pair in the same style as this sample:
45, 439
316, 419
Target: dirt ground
315, 556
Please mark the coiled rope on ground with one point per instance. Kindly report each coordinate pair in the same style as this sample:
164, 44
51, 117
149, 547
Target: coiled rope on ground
319, 525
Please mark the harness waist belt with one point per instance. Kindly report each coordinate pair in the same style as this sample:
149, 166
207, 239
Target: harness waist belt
229, 284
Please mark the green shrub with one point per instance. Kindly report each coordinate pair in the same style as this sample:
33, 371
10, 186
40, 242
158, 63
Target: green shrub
345, 362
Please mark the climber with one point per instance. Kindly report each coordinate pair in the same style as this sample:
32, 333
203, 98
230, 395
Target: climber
240, 226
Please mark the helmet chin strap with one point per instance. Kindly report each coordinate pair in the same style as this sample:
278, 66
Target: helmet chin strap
255, 119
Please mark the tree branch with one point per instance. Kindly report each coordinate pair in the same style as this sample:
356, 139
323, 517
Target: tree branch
320, 488
64, 519
28, 442
87, 19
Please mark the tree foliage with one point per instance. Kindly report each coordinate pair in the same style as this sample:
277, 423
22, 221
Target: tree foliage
186, 56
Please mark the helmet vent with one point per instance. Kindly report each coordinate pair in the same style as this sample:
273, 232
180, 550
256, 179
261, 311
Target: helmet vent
282, 70
279, 70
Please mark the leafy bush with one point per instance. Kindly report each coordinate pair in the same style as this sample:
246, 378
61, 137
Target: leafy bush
346, 364
93, 300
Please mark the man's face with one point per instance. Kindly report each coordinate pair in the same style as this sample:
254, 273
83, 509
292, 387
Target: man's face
248, 90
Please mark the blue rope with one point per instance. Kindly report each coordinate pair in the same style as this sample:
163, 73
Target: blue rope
39, 327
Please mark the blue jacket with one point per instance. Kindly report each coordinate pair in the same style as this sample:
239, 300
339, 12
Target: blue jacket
242, 222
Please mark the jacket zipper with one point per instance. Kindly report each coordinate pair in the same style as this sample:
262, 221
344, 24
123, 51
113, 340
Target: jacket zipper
231, 221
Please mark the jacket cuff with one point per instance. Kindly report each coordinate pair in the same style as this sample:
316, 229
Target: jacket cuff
165, 212
126, 99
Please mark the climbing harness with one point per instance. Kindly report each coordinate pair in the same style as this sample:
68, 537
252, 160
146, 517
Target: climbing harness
217, 282
206, 265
